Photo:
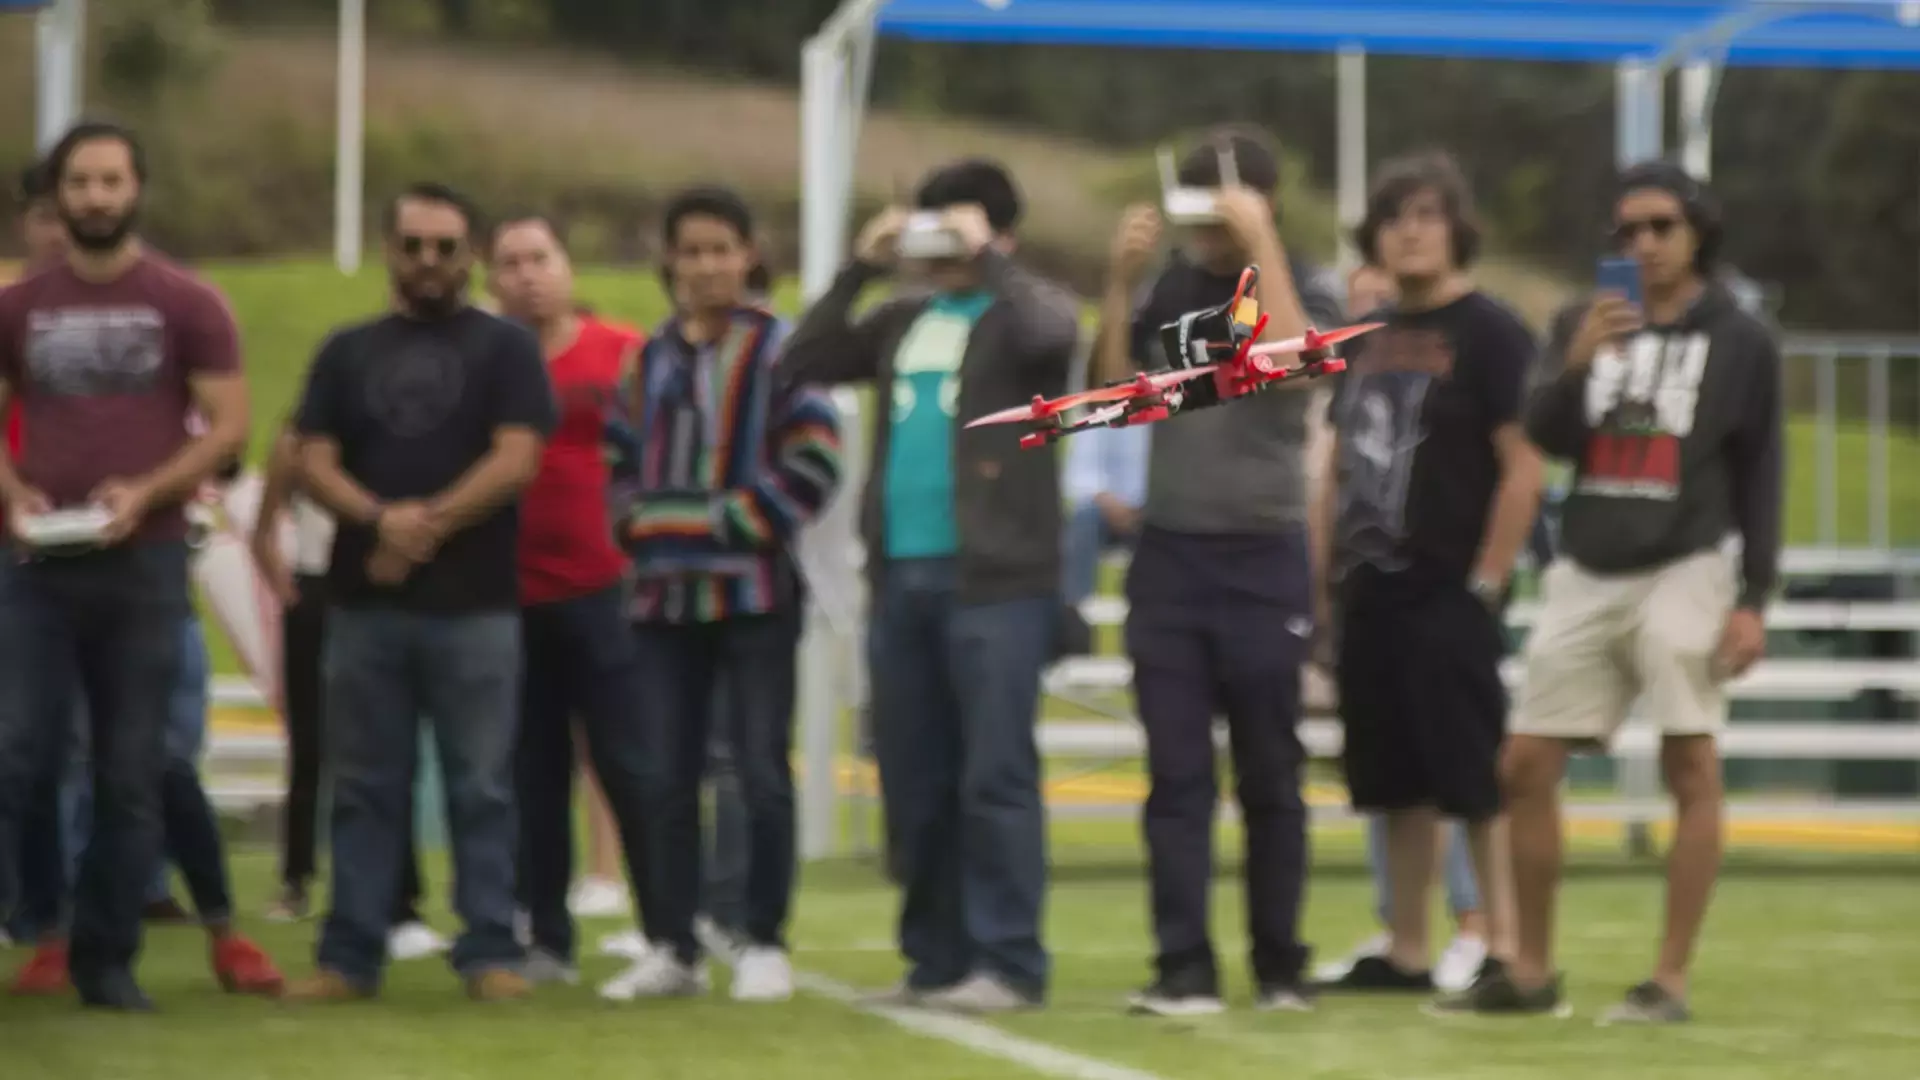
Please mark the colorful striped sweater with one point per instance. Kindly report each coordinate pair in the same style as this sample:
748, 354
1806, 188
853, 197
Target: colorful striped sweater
714, 469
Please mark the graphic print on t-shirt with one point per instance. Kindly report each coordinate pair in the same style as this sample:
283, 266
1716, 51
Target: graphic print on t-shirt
412, 392
926, 401
95, 351
1640, 402
1381, 418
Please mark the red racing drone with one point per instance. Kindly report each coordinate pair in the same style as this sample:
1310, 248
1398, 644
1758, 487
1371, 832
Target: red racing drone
1217, 343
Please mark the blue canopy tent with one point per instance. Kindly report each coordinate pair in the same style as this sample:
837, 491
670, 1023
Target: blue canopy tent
1644, 39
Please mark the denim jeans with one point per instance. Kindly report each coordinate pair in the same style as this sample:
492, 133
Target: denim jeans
385, 670
1085, 539
684, 667
956, 688
1463, 888
113, 615
579, 664
190, 828
723, 887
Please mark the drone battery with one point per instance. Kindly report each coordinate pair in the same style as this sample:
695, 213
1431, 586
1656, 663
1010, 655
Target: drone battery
928, 237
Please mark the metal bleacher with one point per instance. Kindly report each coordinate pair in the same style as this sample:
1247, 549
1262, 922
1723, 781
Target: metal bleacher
1810, 684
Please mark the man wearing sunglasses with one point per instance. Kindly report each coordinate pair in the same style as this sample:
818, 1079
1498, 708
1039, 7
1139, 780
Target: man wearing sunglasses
1670, 411
418, 430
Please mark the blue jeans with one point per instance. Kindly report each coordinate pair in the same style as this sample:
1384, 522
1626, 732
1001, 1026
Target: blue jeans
723, 888
191, 829
956, 688
385, 670
579, 664
684, 668
1463, 889
1087, 536
113, 615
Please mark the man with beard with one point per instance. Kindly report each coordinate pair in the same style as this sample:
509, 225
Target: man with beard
577, 652
418, 430
108, 352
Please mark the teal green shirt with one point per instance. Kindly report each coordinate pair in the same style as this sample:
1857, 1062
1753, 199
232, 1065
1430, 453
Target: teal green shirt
926, 400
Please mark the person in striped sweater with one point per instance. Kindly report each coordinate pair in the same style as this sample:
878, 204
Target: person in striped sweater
717, 466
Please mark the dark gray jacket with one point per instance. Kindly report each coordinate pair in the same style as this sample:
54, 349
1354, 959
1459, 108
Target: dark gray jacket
1007, 500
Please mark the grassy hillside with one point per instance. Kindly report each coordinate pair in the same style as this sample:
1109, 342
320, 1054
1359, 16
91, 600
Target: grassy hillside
599, 141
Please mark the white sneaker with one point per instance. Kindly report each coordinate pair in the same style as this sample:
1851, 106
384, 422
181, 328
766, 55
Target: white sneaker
658, 974
762, 973
1460, 964
979, 993
1336, 970
598, 898
628, 945
414, 941
543, 967
717, 942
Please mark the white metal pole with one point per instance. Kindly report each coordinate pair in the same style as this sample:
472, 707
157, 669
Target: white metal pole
1696, 119
349, 163
60, 42
822, 224
1350, 125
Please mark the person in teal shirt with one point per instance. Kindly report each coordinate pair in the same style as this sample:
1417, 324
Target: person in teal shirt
962, 535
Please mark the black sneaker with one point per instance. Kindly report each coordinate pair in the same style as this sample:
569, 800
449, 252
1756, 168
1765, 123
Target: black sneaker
1378, 975
1187, 992
1648, 1003
114, 991
1494, 993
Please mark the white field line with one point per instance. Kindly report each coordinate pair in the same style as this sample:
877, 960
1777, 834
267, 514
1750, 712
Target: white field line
984, 1039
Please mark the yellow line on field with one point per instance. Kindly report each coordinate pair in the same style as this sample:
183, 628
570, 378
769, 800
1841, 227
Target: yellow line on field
857, 777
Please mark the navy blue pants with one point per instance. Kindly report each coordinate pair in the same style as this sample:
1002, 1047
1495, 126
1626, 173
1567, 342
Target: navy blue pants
114, 616
1218, 626
580, 665
682, 666
955, 690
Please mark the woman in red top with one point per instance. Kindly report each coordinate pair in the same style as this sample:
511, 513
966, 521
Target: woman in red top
577, 651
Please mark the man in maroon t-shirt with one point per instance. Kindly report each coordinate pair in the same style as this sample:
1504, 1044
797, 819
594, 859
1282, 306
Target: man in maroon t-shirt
107, 353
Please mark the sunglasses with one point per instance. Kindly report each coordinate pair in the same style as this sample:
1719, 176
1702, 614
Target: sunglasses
1626, 232
444, 246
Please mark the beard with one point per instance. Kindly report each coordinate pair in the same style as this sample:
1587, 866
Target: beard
99, 232
433, 297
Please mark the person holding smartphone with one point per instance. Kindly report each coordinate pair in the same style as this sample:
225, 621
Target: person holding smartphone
1669, 408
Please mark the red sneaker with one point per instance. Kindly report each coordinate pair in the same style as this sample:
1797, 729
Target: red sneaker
46, 973
243, 968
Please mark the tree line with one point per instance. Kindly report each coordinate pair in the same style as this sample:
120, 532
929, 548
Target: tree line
1819, 170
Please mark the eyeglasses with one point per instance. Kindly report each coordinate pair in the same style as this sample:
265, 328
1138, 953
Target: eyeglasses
444, 246
1626, 232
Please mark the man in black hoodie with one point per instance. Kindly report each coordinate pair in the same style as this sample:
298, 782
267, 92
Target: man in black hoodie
1670, 411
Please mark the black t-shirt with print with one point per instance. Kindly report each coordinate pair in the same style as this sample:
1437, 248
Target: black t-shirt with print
414, 404
1416, 413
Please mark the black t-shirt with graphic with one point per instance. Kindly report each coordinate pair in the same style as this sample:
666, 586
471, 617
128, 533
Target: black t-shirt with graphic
414, 404
1416, 412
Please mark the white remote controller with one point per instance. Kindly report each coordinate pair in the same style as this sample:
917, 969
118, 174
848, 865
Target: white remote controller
66, 528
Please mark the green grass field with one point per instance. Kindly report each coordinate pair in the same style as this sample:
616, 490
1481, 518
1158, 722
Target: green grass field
1807, 967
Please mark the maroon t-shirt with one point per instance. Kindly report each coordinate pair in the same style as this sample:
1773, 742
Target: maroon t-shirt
101, 372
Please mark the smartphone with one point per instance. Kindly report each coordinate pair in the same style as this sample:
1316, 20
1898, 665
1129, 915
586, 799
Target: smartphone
1620, 276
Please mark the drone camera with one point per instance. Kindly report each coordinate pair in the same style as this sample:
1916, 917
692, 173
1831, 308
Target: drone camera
927, 236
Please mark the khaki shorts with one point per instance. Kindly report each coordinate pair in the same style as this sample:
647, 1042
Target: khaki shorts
1601, 643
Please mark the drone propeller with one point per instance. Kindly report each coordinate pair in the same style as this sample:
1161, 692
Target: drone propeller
1313, 339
